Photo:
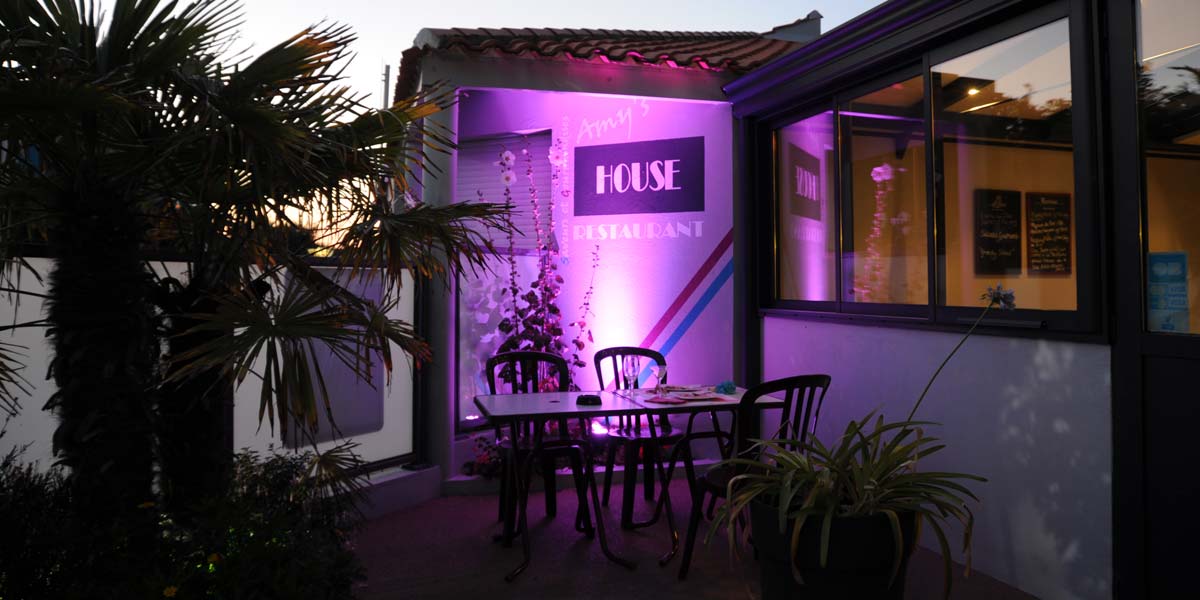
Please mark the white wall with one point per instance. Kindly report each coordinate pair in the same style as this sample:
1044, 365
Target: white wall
32, 426
1032, 416
35, 427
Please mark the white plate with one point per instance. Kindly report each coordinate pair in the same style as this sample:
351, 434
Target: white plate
686, 388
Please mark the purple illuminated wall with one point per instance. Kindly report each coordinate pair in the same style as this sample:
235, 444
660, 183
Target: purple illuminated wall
665, 274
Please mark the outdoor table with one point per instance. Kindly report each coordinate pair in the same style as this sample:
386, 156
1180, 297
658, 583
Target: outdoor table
512, 410
722, 402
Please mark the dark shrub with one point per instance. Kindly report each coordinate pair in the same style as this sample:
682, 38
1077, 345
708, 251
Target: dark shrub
34, 507
276, 534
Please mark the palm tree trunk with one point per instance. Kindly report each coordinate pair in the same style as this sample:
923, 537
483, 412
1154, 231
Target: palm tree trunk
106, 350
196, 439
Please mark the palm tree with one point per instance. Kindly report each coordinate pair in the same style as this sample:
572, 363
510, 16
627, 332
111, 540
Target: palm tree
130, 135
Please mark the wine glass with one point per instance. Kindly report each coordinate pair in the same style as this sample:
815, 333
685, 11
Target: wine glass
630, 369
660, 378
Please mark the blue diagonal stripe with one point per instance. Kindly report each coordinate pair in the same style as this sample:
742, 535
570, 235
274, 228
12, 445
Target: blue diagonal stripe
690, 318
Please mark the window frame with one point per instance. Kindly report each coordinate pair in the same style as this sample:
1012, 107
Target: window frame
1084, 321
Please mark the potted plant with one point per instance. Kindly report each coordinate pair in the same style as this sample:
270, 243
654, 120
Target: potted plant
841, 520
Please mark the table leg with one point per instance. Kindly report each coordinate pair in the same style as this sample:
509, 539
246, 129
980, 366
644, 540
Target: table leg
523, 520
664, 498
509, 507
627, 521
664, 502
598, 511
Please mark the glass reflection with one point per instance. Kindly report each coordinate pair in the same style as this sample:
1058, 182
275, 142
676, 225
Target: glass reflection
1169, 93
807, 230
886, 258
1003, 142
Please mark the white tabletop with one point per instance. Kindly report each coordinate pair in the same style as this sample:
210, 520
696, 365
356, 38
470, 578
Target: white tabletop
553, 404
720, 402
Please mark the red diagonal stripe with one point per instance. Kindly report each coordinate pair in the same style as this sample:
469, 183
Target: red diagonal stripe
705, 269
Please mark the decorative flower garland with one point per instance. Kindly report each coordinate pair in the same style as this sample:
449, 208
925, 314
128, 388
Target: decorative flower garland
871, 283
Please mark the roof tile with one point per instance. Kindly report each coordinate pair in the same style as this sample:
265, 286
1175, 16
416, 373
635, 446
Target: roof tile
736, 51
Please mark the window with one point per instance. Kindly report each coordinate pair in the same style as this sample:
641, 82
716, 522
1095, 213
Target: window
479, 179
807, 234
376, 414
922, 188
886, 257
1169, 90
1003, 131
480, 292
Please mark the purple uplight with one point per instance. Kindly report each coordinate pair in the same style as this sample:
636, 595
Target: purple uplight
598, 428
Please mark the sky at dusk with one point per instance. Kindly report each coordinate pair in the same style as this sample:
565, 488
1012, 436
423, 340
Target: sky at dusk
385, 28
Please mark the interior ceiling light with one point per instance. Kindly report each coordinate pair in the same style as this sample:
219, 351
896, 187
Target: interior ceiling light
982, 106
1162, 54
972, 91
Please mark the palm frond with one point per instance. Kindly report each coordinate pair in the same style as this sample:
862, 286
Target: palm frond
428, 241
12, 384
334, 472
285, 329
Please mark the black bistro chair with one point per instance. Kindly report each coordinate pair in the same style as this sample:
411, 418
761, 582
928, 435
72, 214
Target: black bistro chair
523, 372
802, 396
630, 433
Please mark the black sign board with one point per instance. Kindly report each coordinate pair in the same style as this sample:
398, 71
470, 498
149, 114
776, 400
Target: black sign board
1048, 233
660, 176
803, 183
997, 232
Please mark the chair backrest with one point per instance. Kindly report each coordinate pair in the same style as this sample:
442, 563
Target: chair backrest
615, 358
524, 370
802, 396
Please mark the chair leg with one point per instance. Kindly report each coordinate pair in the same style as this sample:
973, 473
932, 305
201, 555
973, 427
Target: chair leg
630, 485
693, 525
610, 461
503, 488
550, 485
650, 458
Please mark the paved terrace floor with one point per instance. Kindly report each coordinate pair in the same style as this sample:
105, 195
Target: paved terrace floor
443, 549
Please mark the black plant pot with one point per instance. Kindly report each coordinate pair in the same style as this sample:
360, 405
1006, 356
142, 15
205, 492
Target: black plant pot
861, 554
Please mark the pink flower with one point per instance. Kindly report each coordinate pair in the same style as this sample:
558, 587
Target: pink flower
558, 157
507, 158
508, 177
882, 173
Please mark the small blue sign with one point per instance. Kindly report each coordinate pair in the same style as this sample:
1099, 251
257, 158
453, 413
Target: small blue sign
1167, 296
661, 176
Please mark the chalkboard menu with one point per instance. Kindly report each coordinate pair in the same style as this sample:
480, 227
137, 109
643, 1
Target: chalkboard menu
1048, 233
997, 232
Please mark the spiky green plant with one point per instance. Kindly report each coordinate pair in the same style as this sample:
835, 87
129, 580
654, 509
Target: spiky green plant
871, 469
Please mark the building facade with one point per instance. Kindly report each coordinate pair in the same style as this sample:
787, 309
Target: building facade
924, 151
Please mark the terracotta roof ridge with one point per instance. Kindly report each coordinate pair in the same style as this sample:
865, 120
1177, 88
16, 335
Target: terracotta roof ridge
441, 37
811, 15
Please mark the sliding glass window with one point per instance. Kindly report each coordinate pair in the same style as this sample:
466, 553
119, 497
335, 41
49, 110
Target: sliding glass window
1169, 55
1004, 147
805, 173
886, 255
924, 187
